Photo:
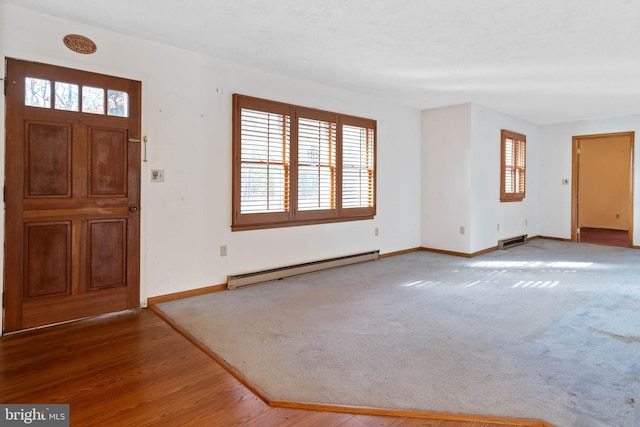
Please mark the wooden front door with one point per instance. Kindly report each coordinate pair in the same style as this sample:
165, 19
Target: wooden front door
72, 192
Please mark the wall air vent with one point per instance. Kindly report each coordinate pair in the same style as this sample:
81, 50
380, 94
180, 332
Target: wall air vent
512, 241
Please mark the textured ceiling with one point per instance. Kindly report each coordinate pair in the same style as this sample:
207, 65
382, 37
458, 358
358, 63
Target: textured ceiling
544, 61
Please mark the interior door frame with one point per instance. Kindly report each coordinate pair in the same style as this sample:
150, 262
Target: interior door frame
575, 179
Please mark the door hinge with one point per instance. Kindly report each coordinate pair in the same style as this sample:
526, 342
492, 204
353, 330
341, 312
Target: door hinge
578, 151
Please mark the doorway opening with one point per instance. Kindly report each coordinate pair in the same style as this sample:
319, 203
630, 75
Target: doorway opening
602, 191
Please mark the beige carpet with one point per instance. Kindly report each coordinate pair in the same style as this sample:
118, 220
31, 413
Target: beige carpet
546, 330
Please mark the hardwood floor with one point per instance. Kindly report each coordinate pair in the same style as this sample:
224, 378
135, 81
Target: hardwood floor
133, 369
604, 236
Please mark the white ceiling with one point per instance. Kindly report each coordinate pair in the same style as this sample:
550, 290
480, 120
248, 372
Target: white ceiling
545, 61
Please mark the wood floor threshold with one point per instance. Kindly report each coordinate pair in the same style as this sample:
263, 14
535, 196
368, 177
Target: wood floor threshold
360, 410
68, 322
408, 413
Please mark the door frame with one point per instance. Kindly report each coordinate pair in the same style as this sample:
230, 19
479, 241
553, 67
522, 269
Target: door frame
575, 165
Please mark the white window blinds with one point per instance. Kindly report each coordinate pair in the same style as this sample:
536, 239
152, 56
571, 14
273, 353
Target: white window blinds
316, 164
357, 167
265, 162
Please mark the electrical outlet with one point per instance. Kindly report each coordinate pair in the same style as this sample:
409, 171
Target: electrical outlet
565, 181
223, 250
462, 229
498, 227
157, 175
376, 231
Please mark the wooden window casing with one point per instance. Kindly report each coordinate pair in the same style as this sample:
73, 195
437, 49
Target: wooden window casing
295, 165
513, 166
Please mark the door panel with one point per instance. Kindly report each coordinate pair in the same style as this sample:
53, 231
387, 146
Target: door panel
71, 239
47, 259
48, 160
107, 253
108, 162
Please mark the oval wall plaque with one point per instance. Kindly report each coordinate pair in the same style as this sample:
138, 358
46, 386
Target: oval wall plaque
80, 44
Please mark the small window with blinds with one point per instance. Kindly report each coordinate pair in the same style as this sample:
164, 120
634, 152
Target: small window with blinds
358, 172
295, 165
513, 166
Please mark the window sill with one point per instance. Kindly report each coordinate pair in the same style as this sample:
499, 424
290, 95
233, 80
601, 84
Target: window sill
245, 227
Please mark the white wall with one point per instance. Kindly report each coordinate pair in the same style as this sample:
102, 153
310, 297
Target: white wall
187, 116
556, 162
491, 219
446, 178
461, 179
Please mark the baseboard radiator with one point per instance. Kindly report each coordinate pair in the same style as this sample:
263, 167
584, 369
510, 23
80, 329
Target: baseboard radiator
237, 281
512, 241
